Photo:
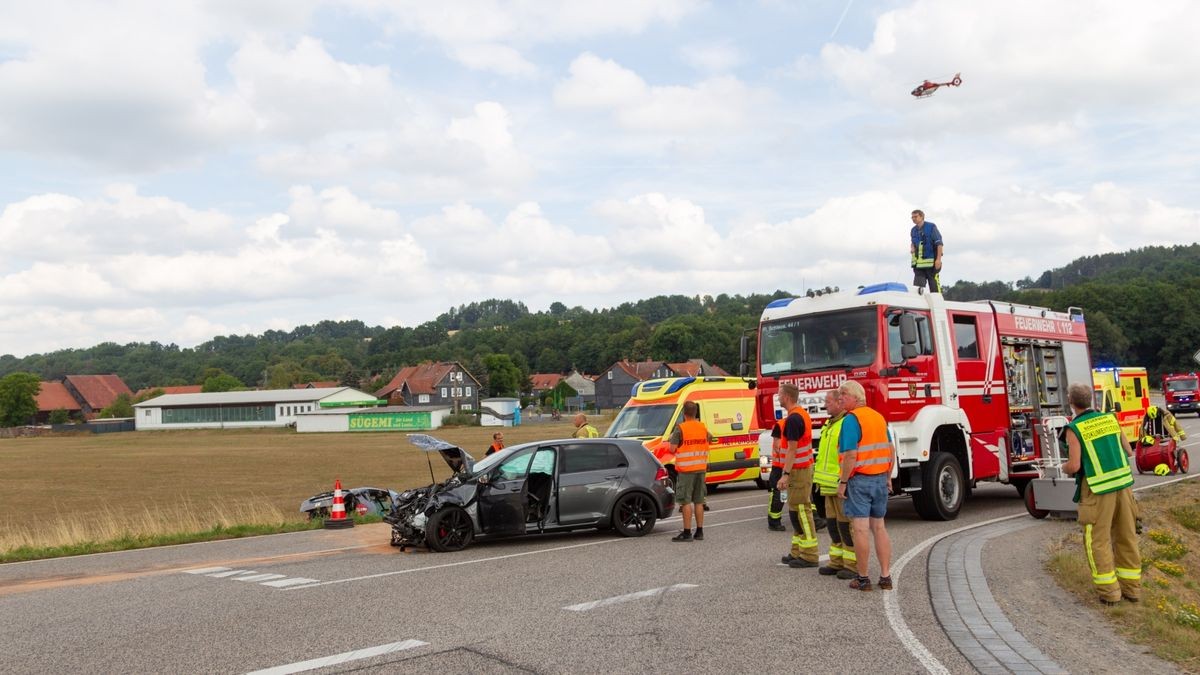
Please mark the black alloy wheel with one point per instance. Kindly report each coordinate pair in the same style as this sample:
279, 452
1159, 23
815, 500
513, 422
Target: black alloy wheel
450, 529
634, 515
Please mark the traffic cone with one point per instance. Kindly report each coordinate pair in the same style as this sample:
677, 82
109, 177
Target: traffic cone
337, 519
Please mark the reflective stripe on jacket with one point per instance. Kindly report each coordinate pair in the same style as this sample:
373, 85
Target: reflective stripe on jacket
1105, 464
804, 450
692, 455
874, 453
777, 453
828, 469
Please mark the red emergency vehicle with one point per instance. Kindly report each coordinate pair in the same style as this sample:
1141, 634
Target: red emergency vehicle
1182, 392
972, 391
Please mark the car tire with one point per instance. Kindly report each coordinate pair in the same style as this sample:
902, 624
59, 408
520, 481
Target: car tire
448, 530
634, 514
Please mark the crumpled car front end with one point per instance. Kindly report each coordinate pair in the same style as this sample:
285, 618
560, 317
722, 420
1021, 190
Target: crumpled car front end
413, 508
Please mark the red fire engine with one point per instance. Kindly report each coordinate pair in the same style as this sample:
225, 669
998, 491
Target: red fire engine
973, 391
1182, 392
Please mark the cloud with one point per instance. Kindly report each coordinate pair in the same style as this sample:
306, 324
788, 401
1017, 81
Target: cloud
488, 35
603, 84
716, 57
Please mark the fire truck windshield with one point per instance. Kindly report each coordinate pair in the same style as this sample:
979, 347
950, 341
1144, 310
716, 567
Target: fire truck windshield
805, 344
642, 420
1182, 384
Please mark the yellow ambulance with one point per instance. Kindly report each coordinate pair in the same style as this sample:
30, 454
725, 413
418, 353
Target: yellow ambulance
726, 408
1124, 391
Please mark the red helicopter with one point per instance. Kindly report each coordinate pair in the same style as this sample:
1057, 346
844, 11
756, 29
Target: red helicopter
926, 88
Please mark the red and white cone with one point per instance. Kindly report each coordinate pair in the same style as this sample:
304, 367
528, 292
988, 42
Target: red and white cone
337, 519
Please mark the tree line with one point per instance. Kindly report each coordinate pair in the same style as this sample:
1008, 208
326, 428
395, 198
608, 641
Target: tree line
1142, 308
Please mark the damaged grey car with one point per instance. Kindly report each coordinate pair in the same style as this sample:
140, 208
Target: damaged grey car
546, 486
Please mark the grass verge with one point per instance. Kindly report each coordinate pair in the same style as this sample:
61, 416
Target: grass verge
1167, 620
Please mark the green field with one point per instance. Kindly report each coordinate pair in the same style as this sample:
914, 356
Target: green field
61, 490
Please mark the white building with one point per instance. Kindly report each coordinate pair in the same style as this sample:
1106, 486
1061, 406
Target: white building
389, 418
243, 409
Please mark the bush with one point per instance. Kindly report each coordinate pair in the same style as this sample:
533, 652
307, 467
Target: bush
460, 420
59, 416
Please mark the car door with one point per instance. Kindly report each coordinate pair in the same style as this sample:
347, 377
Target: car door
590, 475
502, 498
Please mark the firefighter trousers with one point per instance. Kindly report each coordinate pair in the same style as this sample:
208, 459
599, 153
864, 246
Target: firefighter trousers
774, 499
841, 540
800, 510
1111, 544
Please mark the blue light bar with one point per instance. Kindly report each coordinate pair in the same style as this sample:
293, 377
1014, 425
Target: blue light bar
885, 286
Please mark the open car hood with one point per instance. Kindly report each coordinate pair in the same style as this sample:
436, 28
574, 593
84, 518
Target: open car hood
459, 460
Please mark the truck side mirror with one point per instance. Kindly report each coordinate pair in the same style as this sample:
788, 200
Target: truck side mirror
908, 331
743, 352
908, 352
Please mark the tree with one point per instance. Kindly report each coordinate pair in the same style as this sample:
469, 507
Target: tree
18, 398
222, 382
121, 407
504, 378
59, 416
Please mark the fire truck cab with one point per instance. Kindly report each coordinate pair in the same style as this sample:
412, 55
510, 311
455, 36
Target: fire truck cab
972, 391
1182, 392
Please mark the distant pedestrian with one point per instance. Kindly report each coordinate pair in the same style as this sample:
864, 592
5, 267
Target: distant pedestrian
1098, 454
826, 472
690, 442
866, 453
926, 249
797, 478
583, 429
497, 443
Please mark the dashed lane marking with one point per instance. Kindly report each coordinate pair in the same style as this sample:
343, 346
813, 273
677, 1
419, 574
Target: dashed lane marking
628, 597
251, 576
338, 659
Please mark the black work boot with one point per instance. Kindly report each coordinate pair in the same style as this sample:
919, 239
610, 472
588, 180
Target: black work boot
685, 535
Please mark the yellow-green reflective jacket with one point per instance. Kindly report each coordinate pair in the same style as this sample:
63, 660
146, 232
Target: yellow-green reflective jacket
1105, 464
828, 469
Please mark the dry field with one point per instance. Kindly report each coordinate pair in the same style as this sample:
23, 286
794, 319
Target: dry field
66, 489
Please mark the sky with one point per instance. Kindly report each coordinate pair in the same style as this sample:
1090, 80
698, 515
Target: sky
175, 171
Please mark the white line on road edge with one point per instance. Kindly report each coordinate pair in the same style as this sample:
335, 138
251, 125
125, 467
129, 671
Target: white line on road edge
585, 606
891, 606
344, 657
493, 558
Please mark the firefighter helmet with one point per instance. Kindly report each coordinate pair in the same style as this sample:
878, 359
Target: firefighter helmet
1162, 470
1147, 440
1152, 411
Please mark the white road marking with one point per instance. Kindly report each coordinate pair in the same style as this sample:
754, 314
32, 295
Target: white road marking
891, 603
337, 659
290, 581
498, 557
261, 577
587, 606
230, 573
207, 570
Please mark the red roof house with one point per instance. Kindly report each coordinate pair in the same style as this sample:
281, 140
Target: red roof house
95, 392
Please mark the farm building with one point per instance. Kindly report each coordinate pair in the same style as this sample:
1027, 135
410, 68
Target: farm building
241, 409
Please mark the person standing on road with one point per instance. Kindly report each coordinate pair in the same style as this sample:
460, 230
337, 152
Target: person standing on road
690, 442
797, 479
926, 250
1098, 454
774, 494
866, 454
497, 443
826, 472
583, 429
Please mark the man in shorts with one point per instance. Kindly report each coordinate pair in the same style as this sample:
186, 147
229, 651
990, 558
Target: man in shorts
690, 442
866, 453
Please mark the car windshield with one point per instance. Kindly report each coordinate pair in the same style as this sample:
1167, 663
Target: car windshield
805, 344
642, 420
1187, 384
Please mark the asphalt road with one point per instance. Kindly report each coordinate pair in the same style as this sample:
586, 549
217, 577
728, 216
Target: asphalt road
579, 602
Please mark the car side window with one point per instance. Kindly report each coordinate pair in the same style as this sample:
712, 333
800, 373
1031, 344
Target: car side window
592, 457
543, 462
514, 467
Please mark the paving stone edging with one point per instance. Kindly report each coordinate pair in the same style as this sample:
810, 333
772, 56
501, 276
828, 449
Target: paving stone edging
967, 611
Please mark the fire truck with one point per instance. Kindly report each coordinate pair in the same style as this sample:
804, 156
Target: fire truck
973, 391
1182, 392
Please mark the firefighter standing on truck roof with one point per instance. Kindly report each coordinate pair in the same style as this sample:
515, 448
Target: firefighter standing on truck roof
690, 442
1098, 455
797, 478
926, 250
842, 560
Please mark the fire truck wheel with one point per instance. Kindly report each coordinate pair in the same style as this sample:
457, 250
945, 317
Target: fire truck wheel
1031, 507
943, 488
1021, 484
761, 484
